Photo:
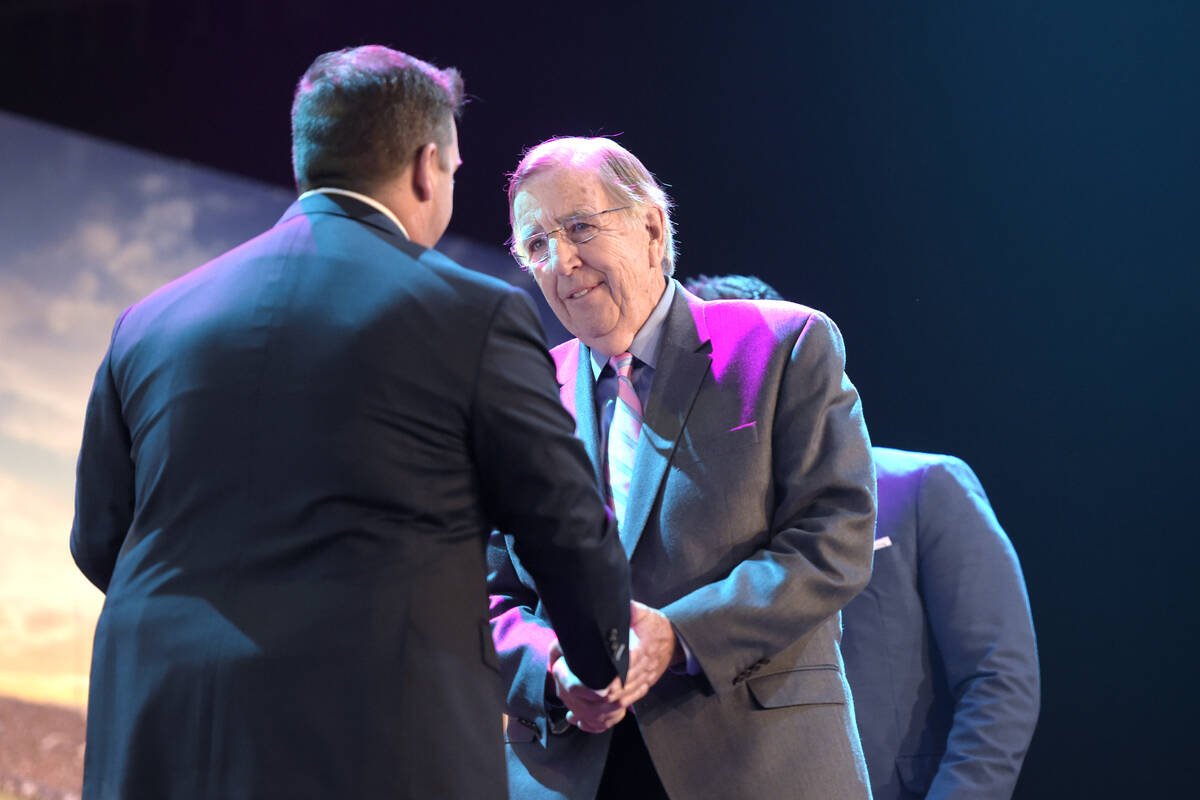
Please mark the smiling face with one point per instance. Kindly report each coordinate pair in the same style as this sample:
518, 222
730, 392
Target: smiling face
602, 290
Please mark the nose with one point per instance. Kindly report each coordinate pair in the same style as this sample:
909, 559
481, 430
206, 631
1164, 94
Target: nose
564, 255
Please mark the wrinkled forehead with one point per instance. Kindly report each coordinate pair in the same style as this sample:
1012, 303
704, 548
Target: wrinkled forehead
556, 193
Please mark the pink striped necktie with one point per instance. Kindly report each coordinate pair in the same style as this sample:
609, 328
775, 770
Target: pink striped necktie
623, 433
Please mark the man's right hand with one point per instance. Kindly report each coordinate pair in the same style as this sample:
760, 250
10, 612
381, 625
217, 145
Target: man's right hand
590, 710
595, 711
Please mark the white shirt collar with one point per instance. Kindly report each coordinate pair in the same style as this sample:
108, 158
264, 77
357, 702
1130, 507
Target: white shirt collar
362, 198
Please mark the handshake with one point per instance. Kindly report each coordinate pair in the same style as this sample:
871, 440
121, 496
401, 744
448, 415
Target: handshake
653, 647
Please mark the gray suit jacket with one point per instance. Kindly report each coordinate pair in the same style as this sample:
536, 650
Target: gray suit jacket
749, 525
939, 647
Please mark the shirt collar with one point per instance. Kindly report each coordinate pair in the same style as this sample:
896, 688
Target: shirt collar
645, 342
362, 198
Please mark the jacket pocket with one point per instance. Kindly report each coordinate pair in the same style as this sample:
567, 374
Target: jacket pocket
798, 687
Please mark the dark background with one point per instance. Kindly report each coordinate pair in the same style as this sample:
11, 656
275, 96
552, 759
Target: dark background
996, 202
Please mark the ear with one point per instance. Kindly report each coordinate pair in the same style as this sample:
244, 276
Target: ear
424, 166
656, 228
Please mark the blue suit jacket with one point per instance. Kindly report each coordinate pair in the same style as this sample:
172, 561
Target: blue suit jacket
939, 647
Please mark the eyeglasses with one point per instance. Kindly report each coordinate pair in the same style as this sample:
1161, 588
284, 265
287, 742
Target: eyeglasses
534, 251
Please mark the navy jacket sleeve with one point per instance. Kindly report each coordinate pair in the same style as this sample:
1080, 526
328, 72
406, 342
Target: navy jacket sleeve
538, 487
104, 486
978, 611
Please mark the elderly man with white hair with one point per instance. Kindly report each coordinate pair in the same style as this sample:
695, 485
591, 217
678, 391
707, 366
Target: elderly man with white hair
732, 448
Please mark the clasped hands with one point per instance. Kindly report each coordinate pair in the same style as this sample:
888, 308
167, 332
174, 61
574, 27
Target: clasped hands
653, 647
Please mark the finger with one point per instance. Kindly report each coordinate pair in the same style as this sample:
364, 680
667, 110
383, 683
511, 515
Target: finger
592, 709
585, 724
633, 692
637, 694
598, 724
630, 693
588, 727
582, 694
608, 720
636, 680
613, 688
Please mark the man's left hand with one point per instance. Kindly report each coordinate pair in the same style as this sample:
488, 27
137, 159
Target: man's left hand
653, 648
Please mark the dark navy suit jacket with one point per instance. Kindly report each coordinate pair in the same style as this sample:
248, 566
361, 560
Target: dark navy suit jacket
291, 462
939, 647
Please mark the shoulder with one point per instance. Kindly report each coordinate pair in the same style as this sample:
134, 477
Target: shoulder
895, 468
743, 316
474, 300
941, 492
902, 463
740, 325
461, 278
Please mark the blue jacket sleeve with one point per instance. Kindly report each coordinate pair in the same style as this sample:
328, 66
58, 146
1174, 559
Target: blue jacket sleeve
978, 611
104, 481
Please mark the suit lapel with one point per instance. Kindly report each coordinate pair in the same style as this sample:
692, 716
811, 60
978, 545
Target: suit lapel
577, 391
683, 361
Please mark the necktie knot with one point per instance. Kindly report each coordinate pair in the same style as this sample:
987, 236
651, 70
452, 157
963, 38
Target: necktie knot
622, 364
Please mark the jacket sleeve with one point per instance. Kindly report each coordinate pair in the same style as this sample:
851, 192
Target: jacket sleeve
538, 487
522, 636
818, 554
978, 610
104, 481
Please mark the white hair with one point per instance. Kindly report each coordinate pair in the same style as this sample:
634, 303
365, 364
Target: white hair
620, 171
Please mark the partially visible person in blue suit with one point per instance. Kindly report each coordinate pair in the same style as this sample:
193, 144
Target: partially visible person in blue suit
939, 648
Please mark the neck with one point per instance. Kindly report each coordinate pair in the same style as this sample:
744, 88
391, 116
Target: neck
609, 346
621, 340
408, 210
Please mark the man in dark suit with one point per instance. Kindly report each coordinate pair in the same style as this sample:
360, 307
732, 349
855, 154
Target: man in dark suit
291, 461
736, 458
939, 647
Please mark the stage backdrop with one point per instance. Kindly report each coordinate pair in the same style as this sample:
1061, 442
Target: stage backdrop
94, 227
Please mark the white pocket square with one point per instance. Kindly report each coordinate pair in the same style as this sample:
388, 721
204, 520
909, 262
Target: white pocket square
882, 542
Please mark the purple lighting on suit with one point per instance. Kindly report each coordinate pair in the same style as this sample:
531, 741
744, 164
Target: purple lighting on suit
743, 366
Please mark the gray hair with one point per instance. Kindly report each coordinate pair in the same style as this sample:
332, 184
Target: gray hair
620, 171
